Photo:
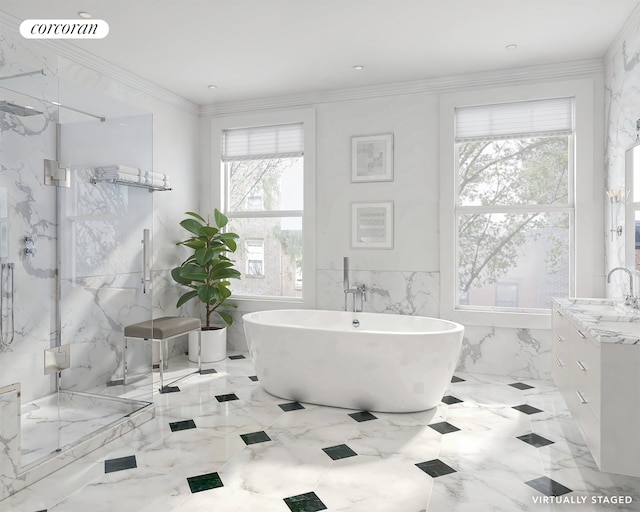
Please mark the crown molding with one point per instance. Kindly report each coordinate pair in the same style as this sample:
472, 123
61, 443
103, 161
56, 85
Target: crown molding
89, 60
512, 76
630, 26
441, 84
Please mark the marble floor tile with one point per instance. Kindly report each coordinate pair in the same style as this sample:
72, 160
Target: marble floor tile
369, 484
389, 463
275, 469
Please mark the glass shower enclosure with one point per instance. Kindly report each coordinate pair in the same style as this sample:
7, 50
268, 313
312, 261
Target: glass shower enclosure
75, 260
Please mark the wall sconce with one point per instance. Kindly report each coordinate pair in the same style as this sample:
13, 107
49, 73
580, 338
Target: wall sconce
615, 196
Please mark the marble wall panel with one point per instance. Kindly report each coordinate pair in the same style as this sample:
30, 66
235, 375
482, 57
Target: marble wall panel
622, 110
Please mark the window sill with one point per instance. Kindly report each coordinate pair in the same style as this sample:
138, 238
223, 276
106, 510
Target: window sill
507, 319
249, 304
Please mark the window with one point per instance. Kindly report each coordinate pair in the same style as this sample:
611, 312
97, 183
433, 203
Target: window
264, 168
513, 203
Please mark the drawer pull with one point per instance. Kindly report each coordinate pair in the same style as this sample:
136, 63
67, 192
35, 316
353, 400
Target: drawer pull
559, 313
581, 366
559, 338
560, 363
580, 333
581, 397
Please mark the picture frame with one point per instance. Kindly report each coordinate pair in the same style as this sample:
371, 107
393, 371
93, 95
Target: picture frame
372, 158
372, 225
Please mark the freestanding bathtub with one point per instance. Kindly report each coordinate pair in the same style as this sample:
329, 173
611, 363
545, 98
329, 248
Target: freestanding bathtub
386, 363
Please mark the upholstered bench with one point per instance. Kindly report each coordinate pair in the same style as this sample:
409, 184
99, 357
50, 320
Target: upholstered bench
161, 329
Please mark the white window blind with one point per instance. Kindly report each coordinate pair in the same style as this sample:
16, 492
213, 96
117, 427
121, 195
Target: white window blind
262, 142
514, 120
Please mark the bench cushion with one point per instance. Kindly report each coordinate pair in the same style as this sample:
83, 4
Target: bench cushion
163, 327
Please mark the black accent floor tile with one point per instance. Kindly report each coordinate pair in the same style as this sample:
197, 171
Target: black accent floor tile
255, 437
254, 378
182, 425
341, 451
527, 409
548, 487
208, 371
169, 389
120, 464
204, 482
535, 440
363, 416
451, 400
291, 406
227, 398
455, 379
308, 502
238, 356
520, 385
435, 468
444, 427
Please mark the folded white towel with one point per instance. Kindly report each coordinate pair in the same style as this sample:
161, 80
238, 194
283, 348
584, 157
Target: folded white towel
120, 169
128, 178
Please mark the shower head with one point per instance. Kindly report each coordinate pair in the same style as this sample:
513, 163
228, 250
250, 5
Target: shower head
12, 108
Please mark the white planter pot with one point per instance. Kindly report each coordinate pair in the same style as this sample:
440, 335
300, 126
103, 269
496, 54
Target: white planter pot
214, 346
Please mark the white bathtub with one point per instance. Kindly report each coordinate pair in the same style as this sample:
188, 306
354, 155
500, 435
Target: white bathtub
389, 363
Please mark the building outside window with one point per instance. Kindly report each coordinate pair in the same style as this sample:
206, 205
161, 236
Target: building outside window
514, 208
255, 258
263, 168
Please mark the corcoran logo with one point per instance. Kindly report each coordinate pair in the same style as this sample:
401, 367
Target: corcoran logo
64, 29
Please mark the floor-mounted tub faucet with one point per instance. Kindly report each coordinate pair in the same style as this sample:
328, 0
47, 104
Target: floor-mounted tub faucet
359, 291
629, 300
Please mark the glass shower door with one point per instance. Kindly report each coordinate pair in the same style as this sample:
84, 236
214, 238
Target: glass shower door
104, 249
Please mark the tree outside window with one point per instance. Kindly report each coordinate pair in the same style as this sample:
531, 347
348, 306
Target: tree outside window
514, 218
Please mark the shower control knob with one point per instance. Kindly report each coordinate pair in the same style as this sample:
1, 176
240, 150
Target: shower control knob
30, 251
30, 239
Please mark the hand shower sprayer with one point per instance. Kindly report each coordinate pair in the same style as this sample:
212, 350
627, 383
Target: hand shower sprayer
7, 325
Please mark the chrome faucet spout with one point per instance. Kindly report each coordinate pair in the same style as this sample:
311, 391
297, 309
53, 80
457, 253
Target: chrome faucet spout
629, 299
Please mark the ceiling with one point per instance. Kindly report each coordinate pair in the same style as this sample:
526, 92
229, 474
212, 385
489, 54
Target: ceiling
253, 49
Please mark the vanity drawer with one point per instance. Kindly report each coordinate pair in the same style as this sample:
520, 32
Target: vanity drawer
588, 423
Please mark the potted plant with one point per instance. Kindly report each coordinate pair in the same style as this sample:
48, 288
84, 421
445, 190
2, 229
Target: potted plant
207, 272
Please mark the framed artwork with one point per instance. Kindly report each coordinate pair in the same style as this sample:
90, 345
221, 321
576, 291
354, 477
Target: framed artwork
372, 225
372, 158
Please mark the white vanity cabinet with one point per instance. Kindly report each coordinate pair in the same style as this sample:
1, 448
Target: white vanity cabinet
600, 383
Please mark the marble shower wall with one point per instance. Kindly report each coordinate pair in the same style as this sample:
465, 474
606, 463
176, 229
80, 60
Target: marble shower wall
622, 110
101, 224
24, 144
9, 439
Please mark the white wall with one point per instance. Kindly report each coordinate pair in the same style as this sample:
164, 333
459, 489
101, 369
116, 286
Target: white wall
406, 279
413, 120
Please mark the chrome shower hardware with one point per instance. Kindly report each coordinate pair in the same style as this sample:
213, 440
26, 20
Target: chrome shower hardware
29, 245
7, 325
358, 291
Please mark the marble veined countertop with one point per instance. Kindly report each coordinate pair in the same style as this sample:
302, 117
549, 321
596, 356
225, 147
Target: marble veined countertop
607, 320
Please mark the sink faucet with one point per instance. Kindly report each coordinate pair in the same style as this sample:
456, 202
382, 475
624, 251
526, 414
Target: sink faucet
629, 300
358, 291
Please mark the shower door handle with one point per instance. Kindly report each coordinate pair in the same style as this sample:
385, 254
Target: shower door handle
146, 259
